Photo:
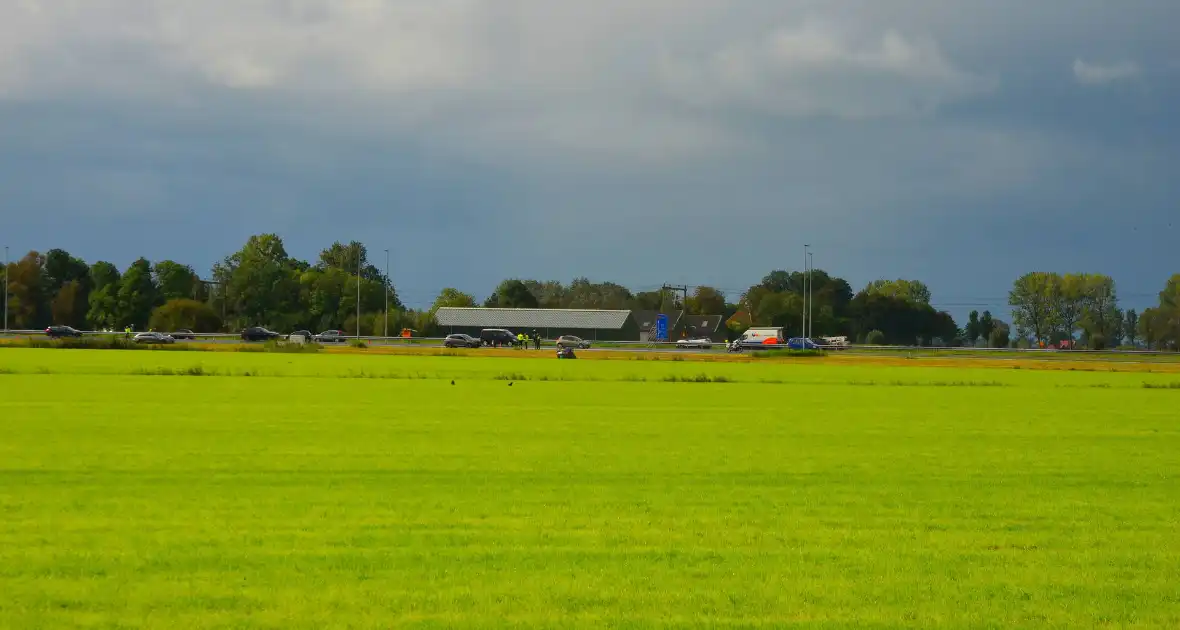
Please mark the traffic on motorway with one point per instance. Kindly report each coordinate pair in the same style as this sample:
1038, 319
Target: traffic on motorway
752, 339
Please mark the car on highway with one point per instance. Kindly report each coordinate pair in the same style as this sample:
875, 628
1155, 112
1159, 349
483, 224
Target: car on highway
259, 333
305, 335
461, 341
331, 336
498, 337
154, 338
802, 343
700, 343
57, 332
571, 341
183, 333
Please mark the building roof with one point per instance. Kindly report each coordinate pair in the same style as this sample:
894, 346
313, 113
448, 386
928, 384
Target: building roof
525, 318
702, 325
646, 320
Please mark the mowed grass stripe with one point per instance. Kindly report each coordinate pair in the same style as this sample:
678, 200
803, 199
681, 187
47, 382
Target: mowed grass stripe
312, 502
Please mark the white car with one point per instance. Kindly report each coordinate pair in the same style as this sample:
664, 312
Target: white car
701, 343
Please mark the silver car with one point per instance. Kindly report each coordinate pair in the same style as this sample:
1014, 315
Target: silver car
154, 338
570, 341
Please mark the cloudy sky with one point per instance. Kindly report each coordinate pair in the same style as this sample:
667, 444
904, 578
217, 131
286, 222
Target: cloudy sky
691, 141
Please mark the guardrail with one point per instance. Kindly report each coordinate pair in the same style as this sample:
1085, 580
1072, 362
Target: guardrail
656, 344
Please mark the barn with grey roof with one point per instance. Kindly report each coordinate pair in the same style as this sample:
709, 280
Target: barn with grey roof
593, 325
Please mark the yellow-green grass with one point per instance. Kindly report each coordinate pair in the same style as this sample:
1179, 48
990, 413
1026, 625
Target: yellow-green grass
351, 491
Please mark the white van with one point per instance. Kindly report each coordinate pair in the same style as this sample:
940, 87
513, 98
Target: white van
756, 337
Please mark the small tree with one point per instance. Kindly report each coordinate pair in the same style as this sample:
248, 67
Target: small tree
875, 338
999, 336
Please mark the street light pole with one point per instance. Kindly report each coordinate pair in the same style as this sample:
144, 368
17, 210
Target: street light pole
5, 288
811, 295
386, 333
805, 252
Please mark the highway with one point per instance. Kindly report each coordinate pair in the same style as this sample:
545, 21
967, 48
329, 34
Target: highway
648, 347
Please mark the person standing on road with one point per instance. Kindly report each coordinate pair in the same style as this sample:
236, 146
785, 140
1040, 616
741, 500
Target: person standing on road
536, 340
519, 340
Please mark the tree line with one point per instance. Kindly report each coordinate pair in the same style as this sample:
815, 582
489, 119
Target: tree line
263, 285
1050, 308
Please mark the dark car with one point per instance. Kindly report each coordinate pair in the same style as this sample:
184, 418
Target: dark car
331, 336
306, 334
184, 333
258, 333
498, 337
58, 332
461, 341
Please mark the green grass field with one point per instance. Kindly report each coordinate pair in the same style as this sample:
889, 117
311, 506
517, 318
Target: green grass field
233, 490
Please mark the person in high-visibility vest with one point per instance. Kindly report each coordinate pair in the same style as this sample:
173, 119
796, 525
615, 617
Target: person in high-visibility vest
520, 340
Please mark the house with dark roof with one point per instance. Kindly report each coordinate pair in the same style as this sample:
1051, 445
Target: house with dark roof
710, 327
645, 321
550, 323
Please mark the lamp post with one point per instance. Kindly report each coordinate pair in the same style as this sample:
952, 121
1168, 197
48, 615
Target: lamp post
5, 288
811, 295
386, 328
805, 258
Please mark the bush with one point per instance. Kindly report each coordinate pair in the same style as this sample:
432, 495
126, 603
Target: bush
875, 338
190, 314
998, 338
357, 343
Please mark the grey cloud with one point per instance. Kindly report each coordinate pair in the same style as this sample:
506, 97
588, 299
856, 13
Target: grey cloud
1101, 74
869, 125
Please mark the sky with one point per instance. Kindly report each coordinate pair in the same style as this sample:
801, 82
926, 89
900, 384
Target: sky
696, 142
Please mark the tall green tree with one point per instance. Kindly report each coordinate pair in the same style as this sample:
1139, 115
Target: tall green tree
706, 301
902, 321
29, 293
453, 298
987, 323
61, 268
1166, 318
1131, 326
176, 281
999, 336
347, 257
582, 293
914, 291
1034, 300
512, 293
972, 331
1101, 320
549, 293
69, 304
137, 295
262, 284
103, 302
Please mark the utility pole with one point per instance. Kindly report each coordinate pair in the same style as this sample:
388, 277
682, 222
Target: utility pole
810, 295
5, 288
682, 290
386, 328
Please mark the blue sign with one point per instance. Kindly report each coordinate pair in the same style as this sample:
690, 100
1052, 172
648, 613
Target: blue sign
661, 327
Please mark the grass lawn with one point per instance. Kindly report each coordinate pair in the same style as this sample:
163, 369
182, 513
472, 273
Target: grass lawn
352, 491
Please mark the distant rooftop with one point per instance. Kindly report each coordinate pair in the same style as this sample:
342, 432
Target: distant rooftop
526, 318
